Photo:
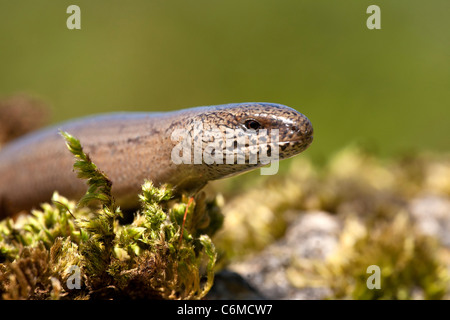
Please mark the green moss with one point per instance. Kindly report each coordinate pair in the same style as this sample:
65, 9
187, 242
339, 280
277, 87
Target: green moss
409, 262
373, 198
153, 257
164, 254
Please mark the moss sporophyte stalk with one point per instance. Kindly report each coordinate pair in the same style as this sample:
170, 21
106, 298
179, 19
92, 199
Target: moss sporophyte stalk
81, 250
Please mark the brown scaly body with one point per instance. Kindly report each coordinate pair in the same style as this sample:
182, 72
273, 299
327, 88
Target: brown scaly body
131, 147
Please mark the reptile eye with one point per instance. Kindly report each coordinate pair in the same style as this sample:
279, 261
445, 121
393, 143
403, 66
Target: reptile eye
252, 124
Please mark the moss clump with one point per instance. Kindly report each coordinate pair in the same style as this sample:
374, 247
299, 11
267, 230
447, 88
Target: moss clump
409, 264
153, 257
367, 194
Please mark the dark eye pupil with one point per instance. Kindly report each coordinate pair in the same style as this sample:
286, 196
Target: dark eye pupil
252, 124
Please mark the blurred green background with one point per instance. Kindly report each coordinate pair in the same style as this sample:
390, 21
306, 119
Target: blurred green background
387, 89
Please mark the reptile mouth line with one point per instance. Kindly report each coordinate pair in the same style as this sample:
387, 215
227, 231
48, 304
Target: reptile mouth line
309, 139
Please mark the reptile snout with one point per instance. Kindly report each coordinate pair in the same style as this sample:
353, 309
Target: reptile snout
307, 132
296, 136
300, 130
